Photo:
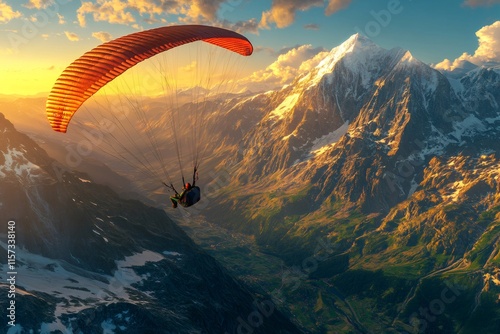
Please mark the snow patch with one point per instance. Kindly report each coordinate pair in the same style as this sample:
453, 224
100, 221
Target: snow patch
456, 85
84, 180
171, 253
467, 127
322, 144
413, 187
16, 162
431, 82
140, 259
285, 106
88, 289
108, 327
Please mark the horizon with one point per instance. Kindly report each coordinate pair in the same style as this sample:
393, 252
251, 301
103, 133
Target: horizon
284, 34
444, 66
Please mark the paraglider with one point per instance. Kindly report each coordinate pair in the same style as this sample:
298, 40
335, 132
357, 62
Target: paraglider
96, 68
190, 195
99, 66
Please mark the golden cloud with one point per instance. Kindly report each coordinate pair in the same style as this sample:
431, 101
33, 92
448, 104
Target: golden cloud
112, 11
282, 12
61, 19
38, 4
487, 51
7, 13
121, 11
102, 36
489, 43
336, 5
288, 66
72, 36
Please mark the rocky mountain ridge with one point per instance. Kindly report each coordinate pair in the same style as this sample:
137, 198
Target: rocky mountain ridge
394, 162
362, 120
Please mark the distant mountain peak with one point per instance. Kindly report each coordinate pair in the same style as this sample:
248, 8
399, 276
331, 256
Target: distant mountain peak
358, 39
356, 44
456, 69
362, 56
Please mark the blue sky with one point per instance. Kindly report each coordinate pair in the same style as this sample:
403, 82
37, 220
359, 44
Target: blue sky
40, 37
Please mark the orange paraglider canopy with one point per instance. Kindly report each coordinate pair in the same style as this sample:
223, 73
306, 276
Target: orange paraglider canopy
86, 75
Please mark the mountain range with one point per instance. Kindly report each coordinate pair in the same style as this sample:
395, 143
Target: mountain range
394, 162
373, 151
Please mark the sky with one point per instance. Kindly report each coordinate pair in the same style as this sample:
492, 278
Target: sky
39, 38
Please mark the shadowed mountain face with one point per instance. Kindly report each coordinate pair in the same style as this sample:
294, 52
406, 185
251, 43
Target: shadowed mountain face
88, 260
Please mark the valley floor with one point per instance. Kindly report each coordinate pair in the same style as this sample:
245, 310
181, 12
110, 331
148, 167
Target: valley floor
314, 305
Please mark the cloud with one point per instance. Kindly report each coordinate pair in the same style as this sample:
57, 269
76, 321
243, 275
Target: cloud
61, 19
282, 12
38, 4
311, 26
7, 13
291, 63
336, 5
112, 11
122, 11
102, 36
489, 43
203, 8
309, 64
447, 65
481, 3
251, 26
72, 36
488, 50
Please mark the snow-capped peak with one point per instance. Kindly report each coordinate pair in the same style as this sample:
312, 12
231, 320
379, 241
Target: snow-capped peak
362, 56
356, 44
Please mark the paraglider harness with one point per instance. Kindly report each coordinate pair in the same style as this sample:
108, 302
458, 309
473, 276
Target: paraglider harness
189, 195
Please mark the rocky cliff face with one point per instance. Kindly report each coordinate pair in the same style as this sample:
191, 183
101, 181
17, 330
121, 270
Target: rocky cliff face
88, 260
363, 116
